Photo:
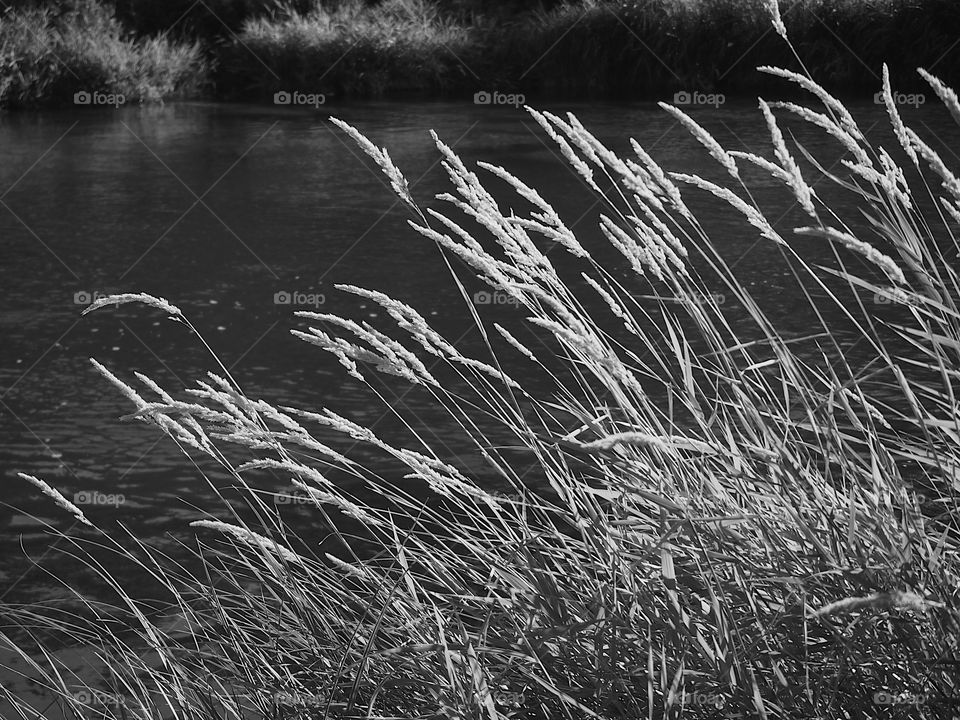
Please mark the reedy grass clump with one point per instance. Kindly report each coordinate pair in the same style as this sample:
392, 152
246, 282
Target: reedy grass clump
47, 55
350, 49
730, 517
585, 48
644, 48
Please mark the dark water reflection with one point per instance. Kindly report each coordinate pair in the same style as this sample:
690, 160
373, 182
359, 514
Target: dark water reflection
218, 208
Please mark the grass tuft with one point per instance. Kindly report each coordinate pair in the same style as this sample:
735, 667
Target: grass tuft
47, 55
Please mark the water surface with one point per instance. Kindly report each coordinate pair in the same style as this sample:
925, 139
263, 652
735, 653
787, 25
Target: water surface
222, 209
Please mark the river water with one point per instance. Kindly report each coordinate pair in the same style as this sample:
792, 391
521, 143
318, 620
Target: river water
226, 209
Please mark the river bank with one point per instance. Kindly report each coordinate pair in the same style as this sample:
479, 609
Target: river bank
624, 49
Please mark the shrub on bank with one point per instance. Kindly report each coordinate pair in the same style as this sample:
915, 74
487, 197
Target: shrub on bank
627, 48
645, 47
48, 54
621, 48
210, 21
400, 45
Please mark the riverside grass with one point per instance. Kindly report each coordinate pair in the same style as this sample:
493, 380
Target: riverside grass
348, 50
49, 54
250, 50
756, 546
585, 48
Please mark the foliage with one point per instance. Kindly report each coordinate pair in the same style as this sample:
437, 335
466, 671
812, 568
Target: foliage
349, 50
210, 21
626, 48
47, 55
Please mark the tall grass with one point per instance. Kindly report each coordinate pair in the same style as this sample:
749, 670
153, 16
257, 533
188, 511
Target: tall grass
728, 525
628, 48
210, 22
350, 49
47, 54
637, 48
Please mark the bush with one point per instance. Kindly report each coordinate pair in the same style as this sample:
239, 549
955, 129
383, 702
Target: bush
621, 48
48, 54
648, 48
210, 21
351, 50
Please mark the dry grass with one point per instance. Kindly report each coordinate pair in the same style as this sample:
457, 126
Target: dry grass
592, 48
348, 50
757, 542
48, 55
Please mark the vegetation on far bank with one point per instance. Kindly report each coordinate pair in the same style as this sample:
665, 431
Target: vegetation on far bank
52, 55
252, 49
609, 48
